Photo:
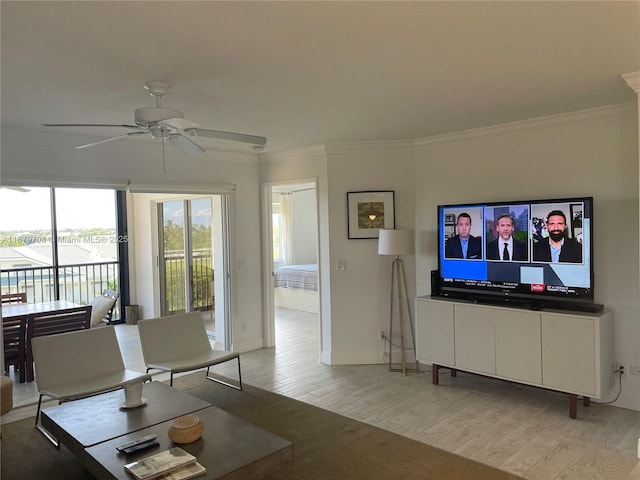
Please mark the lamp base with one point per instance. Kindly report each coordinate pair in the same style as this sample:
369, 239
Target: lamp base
399, 287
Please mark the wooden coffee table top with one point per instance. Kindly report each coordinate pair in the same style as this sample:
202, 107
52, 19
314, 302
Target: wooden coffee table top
230, 448
81, 423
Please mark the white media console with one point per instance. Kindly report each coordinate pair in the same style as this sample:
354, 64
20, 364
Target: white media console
570, 352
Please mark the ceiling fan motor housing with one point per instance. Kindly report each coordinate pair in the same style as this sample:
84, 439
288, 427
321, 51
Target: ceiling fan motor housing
145, 117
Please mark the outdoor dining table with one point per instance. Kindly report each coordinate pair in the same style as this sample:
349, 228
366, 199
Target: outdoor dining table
17, 310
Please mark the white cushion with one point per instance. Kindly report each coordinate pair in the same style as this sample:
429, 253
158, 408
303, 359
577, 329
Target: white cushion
99, 308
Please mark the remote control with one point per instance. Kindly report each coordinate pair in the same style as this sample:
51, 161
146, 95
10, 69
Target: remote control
137, 441
140, 446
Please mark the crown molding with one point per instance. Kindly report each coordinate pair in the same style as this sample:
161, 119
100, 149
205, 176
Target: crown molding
293, 154
337, 148
633, 80
534, 125
371, 146
538, 124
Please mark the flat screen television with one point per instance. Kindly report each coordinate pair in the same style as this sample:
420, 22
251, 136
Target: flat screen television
528, 253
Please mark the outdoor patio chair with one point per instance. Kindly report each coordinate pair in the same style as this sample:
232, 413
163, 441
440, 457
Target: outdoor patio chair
102, 307
179, 343
75, 365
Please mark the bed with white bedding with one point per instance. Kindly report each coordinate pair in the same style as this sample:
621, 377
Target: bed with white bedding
296, 287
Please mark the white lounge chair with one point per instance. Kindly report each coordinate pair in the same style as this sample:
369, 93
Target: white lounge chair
79, 364
179, 343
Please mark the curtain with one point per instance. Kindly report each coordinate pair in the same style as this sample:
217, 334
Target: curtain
286, 234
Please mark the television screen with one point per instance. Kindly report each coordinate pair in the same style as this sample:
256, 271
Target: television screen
535, 252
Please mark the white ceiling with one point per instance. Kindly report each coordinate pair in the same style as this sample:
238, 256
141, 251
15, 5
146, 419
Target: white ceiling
307, 73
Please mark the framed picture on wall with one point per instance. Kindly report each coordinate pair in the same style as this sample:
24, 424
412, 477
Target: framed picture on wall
368, 212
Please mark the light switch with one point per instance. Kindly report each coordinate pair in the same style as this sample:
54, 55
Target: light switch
341, 264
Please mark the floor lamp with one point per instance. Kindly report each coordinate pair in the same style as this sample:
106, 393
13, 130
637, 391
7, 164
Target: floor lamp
396, 243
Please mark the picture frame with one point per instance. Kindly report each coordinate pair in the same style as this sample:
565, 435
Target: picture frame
370, 211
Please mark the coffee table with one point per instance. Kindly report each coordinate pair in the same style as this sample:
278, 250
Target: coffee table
230, 448
82, 423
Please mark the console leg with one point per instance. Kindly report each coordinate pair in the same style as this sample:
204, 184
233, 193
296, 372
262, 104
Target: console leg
586, 401
573, 405
434, 374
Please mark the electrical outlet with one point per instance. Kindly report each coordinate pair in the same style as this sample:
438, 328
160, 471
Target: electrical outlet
634, 370
620, 368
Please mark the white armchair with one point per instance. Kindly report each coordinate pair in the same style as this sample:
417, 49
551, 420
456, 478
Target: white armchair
79, 364
179, 343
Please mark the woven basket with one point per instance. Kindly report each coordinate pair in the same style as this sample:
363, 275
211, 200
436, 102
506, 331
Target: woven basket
186, 429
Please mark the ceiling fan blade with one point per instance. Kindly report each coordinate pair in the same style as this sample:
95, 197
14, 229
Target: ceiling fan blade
17, 189
110, 139
237, 137
136, 127
185, 144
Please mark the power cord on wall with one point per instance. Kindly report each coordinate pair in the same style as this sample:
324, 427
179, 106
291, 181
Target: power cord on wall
620, 371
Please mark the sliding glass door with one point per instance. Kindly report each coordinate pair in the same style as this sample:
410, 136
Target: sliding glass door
192, 253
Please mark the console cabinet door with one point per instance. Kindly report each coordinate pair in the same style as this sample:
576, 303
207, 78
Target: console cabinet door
434, 332
475, 338
518, 349
569, 353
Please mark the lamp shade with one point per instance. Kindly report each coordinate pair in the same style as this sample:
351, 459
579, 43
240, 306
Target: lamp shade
395, 242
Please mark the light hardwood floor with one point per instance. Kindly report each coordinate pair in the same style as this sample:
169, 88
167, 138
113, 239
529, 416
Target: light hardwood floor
519, 429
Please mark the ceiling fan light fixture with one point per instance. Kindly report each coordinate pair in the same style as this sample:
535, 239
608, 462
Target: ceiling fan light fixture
148, 116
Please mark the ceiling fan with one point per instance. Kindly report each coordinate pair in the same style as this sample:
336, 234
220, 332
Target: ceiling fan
166, 123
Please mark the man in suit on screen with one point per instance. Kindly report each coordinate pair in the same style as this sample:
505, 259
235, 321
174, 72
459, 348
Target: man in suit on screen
557, 247
463, 245
507, 248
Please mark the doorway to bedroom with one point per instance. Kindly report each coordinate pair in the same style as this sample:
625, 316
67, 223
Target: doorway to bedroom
294, 226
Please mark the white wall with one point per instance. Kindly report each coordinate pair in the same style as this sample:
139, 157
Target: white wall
46, 158
360, 294
592, 153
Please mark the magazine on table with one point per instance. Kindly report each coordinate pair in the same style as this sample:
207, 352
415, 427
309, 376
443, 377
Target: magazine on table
164, 463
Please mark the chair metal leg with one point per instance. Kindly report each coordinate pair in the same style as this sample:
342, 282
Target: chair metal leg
222, 382
43, 430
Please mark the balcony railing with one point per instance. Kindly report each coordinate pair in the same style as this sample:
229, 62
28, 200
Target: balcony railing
81, 283
202, 284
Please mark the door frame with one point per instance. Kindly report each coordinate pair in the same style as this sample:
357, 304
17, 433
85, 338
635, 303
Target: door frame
226, 293
269, 320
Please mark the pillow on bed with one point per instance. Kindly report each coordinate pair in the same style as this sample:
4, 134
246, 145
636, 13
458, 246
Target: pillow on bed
99, 308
